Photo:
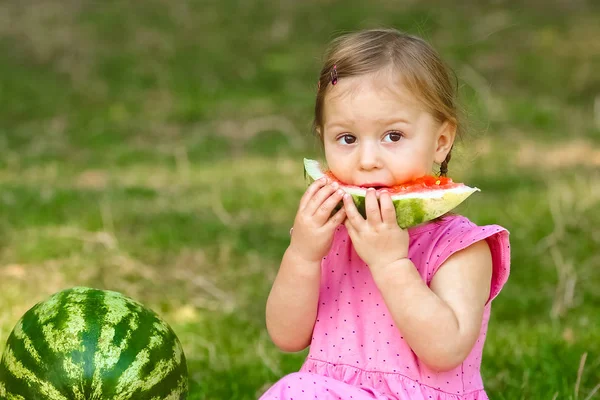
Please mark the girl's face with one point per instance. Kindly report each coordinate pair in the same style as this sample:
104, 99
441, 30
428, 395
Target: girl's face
375, 134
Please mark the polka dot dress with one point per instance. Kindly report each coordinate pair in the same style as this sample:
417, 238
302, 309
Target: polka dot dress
357, 351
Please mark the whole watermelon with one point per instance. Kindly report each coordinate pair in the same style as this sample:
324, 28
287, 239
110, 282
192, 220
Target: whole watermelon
84, 344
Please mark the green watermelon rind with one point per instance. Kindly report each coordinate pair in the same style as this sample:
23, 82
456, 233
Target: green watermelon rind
413, 208
83, 343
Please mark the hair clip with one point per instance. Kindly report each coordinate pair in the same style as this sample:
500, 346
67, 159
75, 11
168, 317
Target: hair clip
334, 75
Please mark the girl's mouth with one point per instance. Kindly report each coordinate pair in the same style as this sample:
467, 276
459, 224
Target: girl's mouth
376, 186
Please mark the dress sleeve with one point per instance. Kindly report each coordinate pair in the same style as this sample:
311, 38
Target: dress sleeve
462, 236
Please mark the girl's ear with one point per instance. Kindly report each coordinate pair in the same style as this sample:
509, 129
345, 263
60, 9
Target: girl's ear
445, 139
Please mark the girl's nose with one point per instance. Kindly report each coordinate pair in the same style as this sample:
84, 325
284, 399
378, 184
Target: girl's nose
369, 158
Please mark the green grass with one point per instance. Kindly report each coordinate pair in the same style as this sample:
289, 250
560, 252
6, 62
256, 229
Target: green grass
157, 151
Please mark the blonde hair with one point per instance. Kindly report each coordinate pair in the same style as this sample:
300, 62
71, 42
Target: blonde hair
416, 62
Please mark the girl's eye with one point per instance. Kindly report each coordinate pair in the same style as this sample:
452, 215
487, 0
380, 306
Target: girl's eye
347, 139
393, 137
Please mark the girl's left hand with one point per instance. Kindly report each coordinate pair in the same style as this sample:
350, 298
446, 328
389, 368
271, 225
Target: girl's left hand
378, 240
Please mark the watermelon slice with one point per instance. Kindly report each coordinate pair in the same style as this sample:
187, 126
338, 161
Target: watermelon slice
416, 202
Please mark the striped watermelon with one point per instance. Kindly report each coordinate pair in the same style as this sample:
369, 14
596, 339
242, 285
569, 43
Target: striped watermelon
416, 202
84, 344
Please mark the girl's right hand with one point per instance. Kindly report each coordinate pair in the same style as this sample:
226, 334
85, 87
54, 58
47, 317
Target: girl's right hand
312, 233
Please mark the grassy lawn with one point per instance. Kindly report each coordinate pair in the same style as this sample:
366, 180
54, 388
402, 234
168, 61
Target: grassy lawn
157, 151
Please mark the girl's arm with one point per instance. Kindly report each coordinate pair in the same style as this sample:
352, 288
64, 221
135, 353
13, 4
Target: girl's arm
292, 304
441, 323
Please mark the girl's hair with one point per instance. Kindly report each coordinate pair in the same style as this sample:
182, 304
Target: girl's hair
416, 62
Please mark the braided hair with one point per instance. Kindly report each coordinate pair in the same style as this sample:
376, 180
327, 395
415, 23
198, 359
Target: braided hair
444, 165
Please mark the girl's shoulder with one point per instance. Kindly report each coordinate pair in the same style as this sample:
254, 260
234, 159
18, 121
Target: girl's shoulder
455, 232
439, 239
451, 225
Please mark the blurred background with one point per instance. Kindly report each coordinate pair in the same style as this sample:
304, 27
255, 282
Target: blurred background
155, 148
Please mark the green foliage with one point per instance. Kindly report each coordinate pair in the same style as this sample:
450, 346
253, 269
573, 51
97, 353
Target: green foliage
157, 151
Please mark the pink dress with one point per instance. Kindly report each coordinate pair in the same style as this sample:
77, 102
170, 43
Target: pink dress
357, 352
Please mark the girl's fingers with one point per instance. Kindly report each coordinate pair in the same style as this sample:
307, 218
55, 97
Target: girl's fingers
372, 207
310, 192
351, 229
388, 211
351, 212
316, 202
323, 213
337, 219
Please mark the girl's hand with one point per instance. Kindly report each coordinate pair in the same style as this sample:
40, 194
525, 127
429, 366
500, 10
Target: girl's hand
312, 233
378, 240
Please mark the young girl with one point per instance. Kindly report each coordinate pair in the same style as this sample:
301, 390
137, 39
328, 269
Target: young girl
389, 313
